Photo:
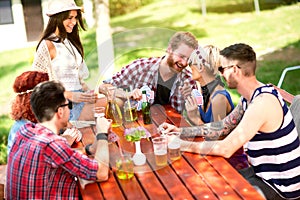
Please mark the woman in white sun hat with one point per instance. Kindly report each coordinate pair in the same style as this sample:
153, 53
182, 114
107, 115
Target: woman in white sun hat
60, 53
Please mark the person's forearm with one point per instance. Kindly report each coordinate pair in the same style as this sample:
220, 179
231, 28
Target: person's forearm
212, 130
195, 120
68, 94
102, 157
205, 148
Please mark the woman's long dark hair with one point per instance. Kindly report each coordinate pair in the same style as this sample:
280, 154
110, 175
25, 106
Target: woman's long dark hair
57, 21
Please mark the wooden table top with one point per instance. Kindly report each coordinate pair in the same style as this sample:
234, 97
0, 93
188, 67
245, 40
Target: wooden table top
191, 177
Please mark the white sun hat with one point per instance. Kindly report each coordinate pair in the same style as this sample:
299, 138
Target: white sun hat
58, 6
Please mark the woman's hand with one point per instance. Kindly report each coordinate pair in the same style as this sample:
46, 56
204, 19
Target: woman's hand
186, 90
191, 107
165, 128
78, 97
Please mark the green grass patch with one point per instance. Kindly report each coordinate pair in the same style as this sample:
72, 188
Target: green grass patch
145, 32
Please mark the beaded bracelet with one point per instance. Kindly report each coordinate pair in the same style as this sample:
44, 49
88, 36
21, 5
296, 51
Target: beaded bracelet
101, 136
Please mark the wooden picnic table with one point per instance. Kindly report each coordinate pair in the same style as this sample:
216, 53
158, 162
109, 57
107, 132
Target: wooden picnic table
192, 177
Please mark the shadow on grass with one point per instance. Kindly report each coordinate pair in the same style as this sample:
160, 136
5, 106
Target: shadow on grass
242, 7
11, 69
278, 60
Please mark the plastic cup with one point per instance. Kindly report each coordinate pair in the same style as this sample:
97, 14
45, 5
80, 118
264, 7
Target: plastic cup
174, 145
160, 150
130, 111
99, 111
124, 165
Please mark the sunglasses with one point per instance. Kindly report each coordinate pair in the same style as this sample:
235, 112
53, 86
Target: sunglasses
222, 69
70, 105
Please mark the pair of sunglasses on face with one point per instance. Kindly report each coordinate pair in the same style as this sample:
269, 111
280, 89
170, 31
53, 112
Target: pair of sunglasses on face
70, 105
222, 69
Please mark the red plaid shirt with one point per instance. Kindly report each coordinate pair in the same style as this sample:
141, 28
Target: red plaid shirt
144, 71
42, 165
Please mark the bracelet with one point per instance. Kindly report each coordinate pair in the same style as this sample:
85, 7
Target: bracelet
101, 136
87, 151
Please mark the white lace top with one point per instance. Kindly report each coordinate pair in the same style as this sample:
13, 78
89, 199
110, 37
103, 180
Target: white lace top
63, 67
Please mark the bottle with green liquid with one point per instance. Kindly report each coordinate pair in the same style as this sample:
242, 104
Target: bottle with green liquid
146, 109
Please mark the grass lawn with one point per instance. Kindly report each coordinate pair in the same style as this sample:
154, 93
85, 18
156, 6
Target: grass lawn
274, 34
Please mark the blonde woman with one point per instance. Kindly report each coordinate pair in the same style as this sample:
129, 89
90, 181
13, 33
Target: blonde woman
216, 103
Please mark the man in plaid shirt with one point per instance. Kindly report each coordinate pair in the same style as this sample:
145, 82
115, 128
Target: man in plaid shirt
164, 75
41, 164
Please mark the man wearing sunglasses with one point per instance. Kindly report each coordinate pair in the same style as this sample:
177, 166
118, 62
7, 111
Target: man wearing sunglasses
42, 165
261, 122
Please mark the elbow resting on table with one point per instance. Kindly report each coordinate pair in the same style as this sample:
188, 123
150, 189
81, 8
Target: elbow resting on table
224, 151
102, 174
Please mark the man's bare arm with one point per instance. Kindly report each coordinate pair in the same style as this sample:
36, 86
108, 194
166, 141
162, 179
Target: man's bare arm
216, 130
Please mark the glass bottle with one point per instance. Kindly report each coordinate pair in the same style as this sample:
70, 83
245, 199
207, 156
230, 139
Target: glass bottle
146, 109
113, 110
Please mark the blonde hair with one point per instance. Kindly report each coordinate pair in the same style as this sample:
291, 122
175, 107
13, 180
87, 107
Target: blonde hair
208, 56
213, 58
183, 37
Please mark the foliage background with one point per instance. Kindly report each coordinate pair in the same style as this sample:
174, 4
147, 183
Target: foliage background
274, 34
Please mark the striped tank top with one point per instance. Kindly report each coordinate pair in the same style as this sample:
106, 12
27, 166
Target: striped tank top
275, 156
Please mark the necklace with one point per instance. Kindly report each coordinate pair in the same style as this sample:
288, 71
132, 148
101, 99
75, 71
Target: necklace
72, 52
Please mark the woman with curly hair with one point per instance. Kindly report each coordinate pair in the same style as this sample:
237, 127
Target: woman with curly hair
21, 110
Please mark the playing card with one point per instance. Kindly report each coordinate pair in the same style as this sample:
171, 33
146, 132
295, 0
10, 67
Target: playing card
198, 96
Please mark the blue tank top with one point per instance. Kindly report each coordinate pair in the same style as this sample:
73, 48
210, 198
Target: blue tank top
276, 156
207, 116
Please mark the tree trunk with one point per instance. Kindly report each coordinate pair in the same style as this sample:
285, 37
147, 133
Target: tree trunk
104, 40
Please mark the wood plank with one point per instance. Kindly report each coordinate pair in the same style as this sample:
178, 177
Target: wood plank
212, 177
233, 178
110, 188
91, 191
192, 180
170, 180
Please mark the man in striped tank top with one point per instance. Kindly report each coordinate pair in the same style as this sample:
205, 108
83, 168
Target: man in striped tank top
261, 122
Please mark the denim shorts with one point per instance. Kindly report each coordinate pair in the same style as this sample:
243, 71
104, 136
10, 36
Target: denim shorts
76, 110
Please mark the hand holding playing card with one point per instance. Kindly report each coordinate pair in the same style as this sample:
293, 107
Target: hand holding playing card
185, 89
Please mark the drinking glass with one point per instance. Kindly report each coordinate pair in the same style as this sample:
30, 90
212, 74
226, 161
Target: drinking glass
130, 111
174, 145
124, 165
99, 111
113, 110
160, 150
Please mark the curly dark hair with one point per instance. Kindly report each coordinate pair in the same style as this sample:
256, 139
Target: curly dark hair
23, 86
